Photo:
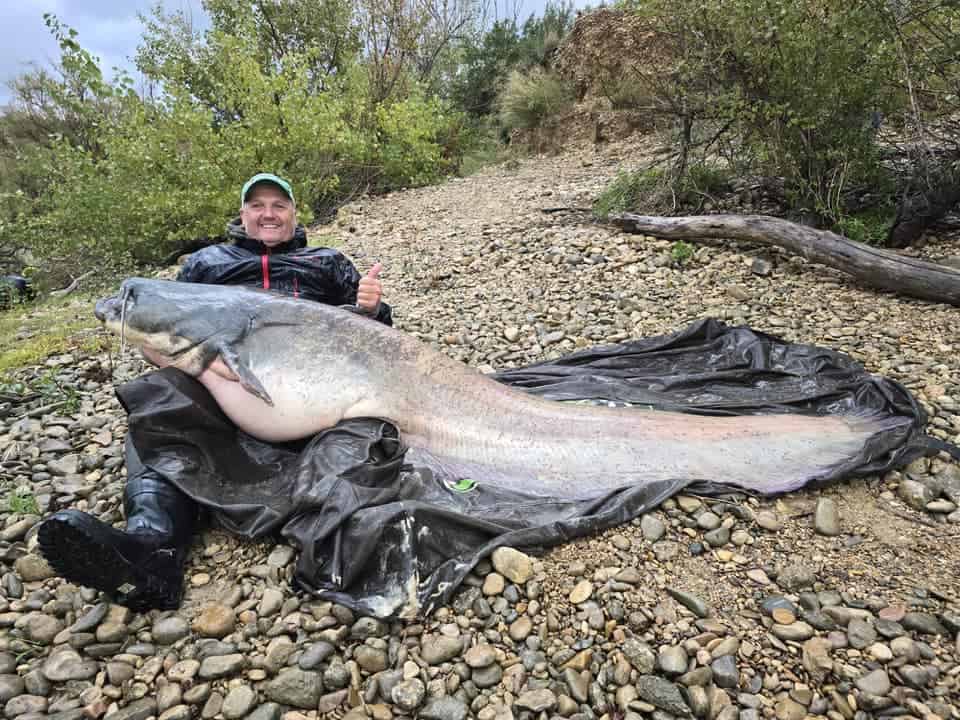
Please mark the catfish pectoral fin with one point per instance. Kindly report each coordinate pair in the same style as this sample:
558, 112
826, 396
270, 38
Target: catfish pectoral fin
248, 381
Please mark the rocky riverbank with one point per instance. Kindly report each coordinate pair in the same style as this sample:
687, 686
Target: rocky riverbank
840, 603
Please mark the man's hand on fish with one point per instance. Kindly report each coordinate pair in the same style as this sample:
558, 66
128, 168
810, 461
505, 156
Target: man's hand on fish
369, 290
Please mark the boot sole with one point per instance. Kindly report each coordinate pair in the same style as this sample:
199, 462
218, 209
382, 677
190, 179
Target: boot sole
73, 547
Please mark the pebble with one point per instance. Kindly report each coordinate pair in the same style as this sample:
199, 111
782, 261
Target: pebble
796, 631
169, 630
694, 604
514, 565
440, 649
215, 621
581, 592
652, 527
662, 694
295, 687
826, 518
769, 521
672, 660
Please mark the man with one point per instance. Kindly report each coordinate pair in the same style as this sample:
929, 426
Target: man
142, 566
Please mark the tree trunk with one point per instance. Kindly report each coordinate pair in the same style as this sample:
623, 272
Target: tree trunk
873, 266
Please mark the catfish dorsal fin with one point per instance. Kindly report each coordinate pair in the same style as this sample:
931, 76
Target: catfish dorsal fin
248, 381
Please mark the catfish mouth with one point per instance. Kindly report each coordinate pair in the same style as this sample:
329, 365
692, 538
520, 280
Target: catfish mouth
160, 348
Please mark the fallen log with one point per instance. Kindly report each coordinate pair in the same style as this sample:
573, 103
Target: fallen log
873, 266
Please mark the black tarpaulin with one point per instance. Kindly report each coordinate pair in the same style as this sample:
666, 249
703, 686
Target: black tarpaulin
388, 538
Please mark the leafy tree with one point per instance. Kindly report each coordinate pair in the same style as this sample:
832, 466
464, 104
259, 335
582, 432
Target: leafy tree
788, 87
255, 92
487, 62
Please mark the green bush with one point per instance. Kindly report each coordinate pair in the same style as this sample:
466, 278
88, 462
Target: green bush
681, 253
626, 93
168, 169
531, 97
22, 501
705, 178
790, 86
625, 192
870, 227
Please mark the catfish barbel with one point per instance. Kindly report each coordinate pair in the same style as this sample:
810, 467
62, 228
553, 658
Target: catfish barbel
282, 369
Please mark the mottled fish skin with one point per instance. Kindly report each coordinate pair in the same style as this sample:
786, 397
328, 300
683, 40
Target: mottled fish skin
313, 365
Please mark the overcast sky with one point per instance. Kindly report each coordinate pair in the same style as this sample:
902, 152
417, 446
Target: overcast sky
110, 29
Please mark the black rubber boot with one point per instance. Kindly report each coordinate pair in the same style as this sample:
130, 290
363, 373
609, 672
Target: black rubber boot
141, 567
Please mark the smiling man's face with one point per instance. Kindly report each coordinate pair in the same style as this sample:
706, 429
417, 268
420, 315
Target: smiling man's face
268, 215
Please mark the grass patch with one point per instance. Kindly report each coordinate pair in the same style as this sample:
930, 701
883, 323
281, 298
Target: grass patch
322, 240
625, 192
22, 502
31, 333
530, 97
869, 226
482, 155
681, 253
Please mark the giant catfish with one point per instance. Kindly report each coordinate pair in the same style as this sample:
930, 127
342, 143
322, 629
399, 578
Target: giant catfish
283, 368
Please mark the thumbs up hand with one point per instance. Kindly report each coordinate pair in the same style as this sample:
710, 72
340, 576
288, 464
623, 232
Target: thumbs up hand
369, 290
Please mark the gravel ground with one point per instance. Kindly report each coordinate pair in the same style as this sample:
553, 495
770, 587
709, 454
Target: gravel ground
842, 603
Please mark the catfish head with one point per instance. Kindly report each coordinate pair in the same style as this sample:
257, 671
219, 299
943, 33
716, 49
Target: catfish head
190, 326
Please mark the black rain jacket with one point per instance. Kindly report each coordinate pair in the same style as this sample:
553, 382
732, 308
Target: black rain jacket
314, 273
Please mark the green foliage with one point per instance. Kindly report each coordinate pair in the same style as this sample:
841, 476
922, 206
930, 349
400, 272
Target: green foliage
625, 93
485, 66
482, 147
22, 502
486, 63
705, 178
794, 84
531, 97
626, 191
45, 386
871, 226
681, 253
280, 92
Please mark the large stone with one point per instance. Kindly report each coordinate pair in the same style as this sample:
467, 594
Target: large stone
640, 655
41, 628
444, 708
652, 527
875, 683
916, 494
24, 704
238, 702
215, 621
409, 694
10, 687
861, 633
371, 659
537, 700
816, 659
514, 565
663, 694
440, 648
826, 518
295, 687
480, 656
33, 568
796, 576
220, 666
169, 630
137, 710
66, 664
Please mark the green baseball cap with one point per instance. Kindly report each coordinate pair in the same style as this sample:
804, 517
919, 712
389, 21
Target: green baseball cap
266, 177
